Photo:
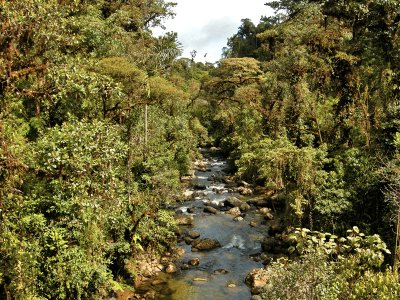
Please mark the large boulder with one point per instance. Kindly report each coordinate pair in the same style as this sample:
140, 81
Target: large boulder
205, 244
210, 209
235, 202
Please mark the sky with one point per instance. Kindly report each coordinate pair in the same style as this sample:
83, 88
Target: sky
206, 25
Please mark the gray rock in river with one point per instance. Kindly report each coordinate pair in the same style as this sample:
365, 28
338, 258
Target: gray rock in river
193, 234
205, 244
235, 202
210, 209
235, 211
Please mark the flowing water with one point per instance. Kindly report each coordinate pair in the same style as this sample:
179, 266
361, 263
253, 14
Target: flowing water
239, 242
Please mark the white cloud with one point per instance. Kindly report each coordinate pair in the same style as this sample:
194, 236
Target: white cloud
206, 25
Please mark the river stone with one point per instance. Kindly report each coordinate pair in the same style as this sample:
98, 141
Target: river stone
253, 223
256, 297
210, 210
184, 220
220, 272
199, 187
178, 251
257, 278
188, 195
235, 211
235, 202
171, 268
191, 210
205, 244
238, 218
269, 216
264, 210
185, 267
194, 261
193, 234
231, 285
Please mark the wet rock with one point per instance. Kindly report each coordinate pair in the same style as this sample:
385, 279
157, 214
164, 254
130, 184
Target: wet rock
231, 285
210, 209
257, 278
269, 216
205, 244
171, 268
199, 187
178, 252
228, 180
194, 261
215, 149
220, 272
191, 210
184, 219
256, 297
265, 210
185, 267
253, 223
187, 195
235, 202
193, 234
235, 211
267, 213
238, 219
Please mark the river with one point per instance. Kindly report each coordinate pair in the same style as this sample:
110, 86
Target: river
222, 271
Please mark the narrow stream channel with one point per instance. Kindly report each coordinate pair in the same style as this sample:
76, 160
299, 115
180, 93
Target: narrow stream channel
222, 271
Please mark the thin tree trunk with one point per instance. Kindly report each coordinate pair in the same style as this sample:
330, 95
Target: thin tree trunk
145, 130
396, 251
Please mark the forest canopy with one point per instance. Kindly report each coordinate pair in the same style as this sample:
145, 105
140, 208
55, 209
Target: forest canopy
99, 120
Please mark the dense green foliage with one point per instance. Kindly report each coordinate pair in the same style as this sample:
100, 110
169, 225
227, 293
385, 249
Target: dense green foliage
99, 119
83, 186
332, 268
307, 104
